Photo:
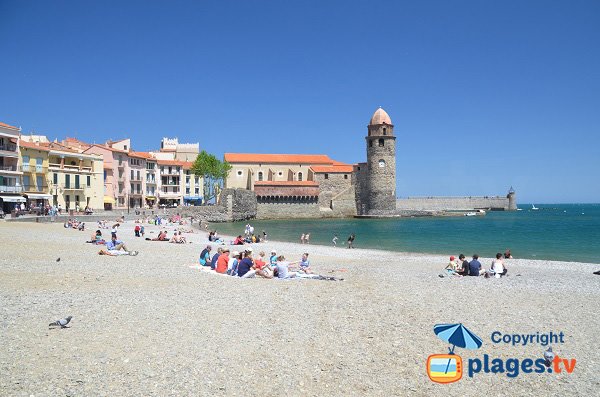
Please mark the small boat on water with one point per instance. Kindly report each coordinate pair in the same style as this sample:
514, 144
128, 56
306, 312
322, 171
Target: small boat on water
471, 214
534, 208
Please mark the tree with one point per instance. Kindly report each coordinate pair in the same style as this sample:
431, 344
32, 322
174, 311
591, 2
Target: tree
213, 171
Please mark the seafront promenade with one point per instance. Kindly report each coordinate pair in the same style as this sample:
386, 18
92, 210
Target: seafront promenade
151, 325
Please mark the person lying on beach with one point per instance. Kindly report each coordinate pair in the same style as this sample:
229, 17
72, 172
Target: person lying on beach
117, 245
498, 268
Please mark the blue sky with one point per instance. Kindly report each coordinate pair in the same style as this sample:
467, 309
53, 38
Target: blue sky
483, 95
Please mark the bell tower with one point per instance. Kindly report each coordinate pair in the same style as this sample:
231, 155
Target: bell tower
381, 163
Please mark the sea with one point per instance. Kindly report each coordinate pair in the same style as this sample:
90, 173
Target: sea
559, 232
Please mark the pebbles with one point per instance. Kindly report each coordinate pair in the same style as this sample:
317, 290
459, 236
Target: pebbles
150, 325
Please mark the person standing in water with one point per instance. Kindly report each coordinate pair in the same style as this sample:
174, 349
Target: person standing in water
335, 239
351, 240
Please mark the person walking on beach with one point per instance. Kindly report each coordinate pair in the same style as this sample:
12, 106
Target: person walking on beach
351, 240
307, 238
335, 239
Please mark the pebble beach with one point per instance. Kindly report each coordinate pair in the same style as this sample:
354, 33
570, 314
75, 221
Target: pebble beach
150, 325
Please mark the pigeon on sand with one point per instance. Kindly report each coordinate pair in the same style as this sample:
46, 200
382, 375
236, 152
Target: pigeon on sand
61, 323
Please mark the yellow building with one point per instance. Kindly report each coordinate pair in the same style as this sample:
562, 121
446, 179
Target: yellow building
63, 176
34, 164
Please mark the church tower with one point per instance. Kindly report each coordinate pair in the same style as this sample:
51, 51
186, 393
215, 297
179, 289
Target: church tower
381, 163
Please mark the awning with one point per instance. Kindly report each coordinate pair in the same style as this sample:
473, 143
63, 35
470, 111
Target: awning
151, 198
192, 198
109, 200
13, 199
38, 196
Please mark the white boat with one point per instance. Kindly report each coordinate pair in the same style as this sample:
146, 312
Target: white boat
534, 208
471, 214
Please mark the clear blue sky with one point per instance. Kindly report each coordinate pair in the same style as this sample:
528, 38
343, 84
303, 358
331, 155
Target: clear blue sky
483, 95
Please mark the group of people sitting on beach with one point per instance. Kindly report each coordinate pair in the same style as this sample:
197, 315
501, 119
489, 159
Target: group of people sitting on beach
74, 224
462, 267
244, 264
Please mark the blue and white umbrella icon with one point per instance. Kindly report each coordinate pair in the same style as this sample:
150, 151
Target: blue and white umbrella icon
457, 335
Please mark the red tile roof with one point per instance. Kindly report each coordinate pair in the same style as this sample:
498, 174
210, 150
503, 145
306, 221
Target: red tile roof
172, 162
286, 183
31, 145
9, 126
141, 155
342, 169
278, 158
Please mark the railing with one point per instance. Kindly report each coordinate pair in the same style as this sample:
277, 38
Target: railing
11, 189
9, 147
151, 181
37, 168
135, 179
37, 189
8, 168
73, 187
68, 167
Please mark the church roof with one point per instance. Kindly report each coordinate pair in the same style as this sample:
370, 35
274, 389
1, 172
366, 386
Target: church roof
380, 117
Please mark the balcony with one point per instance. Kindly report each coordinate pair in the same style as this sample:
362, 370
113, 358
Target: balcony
35, 189
10, 168
9, 147
39, 169
73, 187
67, 167
136, 179
150, 182
11, 189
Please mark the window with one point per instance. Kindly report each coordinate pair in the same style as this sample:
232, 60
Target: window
39, 180
26, 182
345, 176
55, 178
381, 163
300, 176
381, 142
77, 182
76, 199
326, 176
187, 190
260, 176
138, 176
89, 181
239, 173
67, 181
385, 131
132, 174
370, 143
132, 188
125, 147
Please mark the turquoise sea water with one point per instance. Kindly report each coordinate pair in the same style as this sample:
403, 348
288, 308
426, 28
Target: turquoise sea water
565, 232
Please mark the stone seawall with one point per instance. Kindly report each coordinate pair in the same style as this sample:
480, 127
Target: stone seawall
234, 205
453, 203
288, 211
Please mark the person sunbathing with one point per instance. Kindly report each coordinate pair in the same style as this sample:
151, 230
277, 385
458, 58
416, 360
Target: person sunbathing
177, 238
162, 236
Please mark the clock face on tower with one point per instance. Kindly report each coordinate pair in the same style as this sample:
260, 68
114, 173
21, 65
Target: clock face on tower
381, 163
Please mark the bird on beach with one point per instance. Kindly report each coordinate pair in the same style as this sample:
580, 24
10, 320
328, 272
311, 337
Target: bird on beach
61, 323
548, 356
58, 259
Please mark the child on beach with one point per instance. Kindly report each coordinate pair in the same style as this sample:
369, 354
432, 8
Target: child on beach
451, 268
